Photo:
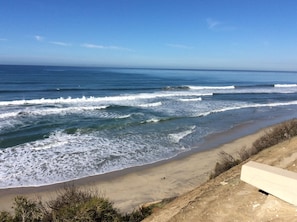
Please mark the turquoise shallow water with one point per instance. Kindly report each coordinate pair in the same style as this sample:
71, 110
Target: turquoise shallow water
62, 123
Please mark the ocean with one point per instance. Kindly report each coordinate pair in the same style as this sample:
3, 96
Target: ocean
63, 123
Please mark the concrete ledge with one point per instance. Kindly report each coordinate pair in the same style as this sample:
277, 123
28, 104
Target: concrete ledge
273, 180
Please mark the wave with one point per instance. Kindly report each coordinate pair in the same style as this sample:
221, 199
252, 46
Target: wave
191, 99
267, 86
50, 111
228, 87
210, 87
196, 91
8, 115
177, 137
281, 89
225, 109
169, 88
191, 87
285, 85
157, 95
107, 99
157, 120
151, 104
153, 120
254, 86
231, 88
124, 116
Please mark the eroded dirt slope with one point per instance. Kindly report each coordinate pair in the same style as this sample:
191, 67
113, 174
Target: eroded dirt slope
226, 198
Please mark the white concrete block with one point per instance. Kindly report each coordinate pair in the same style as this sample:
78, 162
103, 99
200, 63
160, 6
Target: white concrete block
273, 180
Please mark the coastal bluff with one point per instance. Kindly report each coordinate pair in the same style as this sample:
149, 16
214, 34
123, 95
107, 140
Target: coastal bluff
227, 198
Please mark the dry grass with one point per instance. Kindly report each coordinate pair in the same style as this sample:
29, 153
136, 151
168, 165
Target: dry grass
227, 161
277, 134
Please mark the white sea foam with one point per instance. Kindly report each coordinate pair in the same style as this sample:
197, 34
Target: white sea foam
278, 88
153, 120
285, 85
66, 110
244, 106
186, 93
151, 104
191, 99
95, 100
277, 104
52, 142
210, 87
9, 123
177, 137
62, 157
8, 115
49, 111
124, 116
18, 117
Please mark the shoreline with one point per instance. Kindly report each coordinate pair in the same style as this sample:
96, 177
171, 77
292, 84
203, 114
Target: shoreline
210, 142
129, 188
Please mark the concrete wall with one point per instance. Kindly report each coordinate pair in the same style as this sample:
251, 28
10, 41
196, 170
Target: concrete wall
273, 180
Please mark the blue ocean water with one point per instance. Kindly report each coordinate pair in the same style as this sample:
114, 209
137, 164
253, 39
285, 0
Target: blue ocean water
63, 123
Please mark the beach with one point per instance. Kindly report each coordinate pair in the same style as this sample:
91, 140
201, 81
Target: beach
128, 189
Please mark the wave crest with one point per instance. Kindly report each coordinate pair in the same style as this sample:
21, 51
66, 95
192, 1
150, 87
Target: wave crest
285, 85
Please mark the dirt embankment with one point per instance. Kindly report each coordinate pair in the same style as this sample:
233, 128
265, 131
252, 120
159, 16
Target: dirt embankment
227, 198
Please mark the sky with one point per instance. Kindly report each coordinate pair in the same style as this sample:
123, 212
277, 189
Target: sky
206, 34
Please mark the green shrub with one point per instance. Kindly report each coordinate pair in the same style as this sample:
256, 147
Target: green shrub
6, 217
76, 205
27, 210
71, 204
138, 215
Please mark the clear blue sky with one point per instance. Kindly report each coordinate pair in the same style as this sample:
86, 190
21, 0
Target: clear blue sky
239, 34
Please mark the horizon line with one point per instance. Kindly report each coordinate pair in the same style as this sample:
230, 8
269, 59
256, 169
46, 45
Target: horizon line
158, 68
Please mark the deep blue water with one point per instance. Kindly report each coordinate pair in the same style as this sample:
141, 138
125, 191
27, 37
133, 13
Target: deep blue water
62, 123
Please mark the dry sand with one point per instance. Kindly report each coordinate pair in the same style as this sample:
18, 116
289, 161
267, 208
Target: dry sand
130, 188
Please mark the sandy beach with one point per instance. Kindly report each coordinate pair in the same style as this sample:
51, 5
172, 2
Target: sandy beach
130, 188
